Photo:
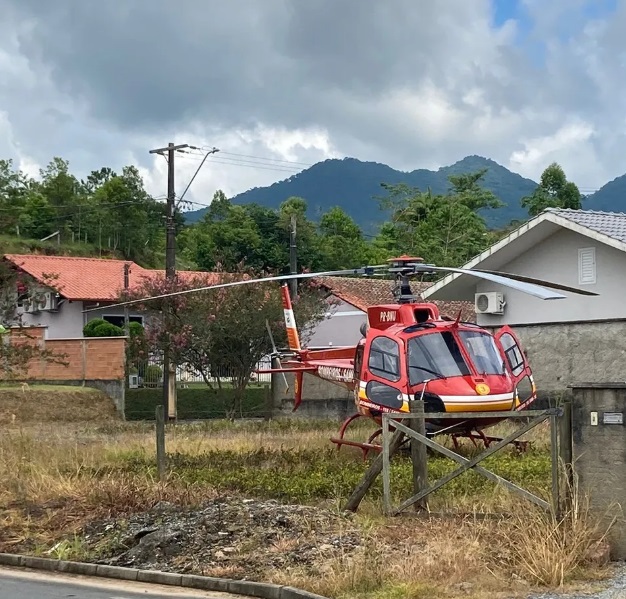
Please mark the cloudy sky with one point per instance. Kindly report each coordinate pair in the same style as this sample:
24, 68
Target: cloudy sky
280, 84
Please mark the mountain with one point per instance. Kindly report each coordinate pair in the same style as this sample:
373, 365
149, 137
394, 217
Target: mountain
352, 184
611, 197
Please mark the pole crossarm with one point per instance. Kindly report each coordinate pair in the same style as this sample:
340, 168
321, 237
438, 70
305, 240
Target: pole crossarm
466, 464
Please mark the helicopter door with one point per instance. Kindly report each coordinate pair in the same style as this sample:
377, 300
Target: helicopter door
384, 373
517, 363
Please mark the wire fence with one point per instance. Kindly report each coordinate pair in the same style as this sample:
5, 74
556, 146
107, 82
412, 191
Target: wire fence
149, 373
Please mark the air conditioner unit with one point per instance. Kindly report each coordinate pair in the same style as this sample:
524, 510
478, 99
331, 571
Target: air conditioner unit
30, 305
49, 301
490, 302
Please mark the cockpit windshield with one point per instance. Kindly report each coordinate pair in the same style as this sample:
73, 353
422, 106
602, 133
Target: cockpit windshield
483, 351
436, 355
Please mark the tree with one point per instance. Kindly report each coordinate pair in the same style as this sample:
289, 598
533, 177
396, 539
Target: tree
341, 241
553, 191
444, 229
222, 329
38, 217
17, 346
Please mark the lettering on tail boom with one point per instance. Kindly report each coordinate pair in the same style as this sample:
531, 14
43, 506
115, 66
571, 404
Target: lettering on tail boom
336, 373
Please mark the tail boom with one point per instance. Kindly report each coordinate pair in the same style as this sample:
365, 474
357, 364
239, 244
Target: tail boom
290, 320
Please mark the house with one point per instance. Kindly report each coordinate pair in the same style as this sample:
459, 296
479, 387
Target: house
351, 297
573, 340
53, 291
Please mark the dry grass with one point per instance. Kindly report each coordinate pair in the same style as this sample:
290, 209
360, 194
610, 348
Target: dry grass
55, 478
32, 404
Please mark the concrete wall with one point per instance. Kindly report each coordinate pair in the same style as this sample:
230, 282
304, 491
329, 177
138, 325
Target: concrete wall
564, 354
556, 259
321, 399
600, 454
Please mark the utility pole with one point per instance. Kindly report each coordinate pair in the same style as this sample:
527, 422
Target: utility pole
293, 257
169, 369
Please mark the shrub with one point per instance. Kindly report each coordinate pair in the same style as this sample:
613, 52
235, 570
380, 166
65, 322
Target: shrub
101, 328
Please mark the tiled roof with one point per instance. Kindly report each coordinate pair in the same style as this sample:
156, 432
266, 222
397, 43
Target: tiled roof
611, 224
92, 279
363, 293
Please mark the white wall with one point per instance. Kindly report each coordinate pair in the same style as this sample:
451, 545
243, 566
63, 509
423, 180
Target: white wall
556, 260
341, 328
68, 321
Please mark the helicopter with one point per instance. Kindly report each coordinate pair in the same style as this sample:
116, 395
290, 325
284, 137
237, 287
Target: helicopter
409, 351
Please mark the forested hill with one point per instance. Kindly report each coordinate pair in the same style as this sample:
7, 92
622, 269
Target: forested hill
353, 185
611, 197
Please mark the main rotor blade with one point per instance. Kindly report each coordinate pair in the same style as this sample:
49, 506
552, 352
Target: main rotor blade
311, 275
539, 282
528, 288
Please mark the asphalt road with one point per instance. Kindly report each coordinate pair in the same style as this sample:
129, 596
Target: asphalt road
20, 584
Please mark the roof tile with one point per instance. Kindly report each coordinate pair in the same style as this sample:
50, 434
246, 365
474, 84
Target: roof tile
91, 279
611, 224
363, 293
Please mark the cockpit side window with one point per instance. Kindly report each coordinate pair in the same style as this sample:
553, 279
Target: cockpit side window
384, 358
358, 361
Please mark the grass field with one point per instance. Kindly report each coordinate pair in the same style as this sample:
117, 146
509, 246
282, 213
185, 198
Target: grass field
58, 477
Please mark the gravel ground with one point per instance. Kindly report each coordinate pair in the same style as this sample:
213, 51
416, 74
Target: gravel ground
615, 590
239, 538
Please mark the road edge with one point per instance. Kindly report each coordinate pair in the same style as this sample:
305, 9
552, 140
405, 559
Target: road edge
262, 590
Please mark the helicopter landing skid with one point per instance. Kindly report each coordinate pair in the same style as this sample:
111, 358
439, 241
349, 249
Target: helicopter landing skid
366, 446
487, 440
370, 444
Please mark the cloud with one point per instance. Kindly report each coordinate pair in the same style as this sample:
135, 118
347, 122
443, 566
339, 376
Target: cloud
409, 84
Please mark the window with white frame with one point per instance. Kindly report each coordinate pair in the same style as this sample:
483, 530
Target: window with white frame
586, 266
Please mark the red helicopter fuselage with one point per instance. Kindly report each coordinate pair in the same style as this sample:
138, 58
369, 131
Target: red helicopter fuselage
410, 352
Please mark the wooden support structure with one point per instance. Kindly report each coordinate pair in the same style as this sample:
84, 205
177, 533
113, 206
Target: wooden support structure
412, 427
419, 453
393, 444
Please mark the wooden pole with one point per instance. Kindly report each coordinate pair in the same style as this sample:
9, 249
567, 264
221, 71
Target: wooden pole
386, 467
554, 458
269, 403
419, 453
566, 452
373, 471
160, 442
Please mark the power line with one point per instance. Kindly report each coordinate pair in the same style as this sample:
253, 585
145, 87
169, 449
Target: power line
249, 164
267, 159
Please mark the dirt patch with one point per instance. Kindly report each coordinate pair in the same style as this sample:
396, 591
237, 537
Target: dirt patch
243, 538
32, 404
